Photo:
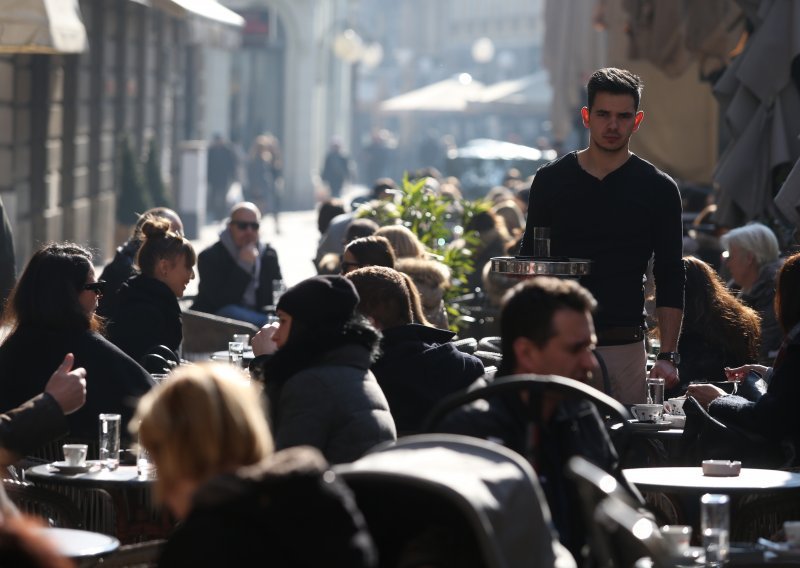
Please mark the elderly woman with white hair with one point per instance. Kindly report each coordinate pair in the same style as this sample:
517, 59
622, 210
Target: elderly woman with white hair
752, 258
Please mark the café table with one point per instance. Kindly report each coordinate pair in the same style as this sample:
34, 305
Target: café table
84, 547
222, 356
683, 486
135, 517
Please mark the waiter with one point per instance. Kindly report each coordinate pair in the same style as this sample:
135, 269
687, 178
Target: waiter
606, 204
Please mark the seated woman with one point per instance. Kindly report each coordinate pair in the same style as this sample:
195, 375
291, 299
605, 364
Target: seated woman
367, 251
774, 416
148, 313
317, 375
51, 312
718, 330
239, 503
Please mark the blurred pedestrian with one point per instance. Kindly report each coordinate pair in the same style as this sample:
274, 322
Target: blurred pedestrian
337, 169
222, 165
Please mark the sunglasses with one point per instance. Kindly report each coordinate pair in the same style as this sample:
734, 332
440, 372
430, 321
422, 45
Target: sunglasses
96, 287
243, 225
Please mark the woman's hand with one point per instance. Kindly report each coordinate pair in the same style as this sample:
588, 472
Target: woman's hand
262, 341
705, 394
739, 373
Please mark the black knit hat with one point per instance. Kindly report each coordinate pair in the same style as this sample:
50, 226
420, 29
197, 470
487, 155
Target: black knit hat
322, 300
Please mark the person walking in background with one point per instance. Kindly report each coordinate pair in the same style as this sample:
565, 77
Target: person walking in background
237, 273
751, 256
337, 168
264, 175
222, 165
606, 204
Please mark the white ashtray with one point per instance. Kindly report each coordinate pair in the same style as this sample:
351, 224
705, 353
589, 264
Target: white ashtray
722, 468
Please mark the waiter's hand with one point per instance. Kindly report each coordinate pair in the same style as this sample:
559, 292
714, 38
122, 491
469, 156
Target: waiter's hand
667, 371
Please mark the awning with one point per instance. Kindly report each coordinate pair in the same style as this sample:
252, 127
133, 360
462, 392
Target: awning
42, 26
210, 23
450, 95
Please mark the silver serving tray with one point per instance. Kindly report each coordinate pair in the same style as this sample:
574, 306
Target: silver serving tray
521, 266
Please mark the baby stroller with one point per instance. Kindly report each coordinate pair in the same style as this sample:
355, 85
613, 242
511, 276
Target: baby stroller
442, 501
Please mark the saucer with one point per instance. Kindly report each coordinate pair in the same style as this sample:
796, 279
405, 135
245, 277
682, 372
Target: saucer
676, 420
68, 469
661, 425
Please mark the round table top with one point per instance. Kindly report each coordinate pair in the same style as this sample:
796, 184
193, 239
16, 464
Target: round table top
692, 480
222, 356
123, 476
74, 543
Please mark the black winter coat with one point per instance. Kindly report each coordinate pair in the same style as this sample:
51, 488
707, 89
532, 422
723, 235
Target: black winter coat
148, 314
223, 281
285, 512
115, 274
114, 381
418, 368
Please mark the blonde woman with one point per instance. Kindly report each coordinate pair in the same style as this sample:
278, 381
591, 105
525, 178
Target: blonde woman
240, 503
404, 242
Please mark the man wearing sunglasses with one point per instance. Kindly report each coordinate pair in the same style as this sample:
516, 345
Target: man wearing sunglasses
237, 272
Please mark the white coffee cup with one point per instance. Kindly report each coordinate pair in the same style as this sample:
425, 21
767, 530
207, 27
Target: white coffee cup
674, 406
792, 531
648, 412
75, 454
677, 537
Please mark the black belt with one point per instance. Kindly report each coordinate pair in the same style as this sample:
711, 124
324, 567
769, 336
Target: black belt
619, 335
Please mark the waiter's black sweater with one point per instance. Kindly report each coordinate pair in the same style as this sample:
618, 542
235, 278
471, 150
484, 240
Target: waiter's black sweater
617, 223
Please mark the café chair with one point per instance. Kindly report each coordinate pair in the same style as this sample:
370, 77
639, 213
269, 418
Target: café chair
52, 507
171, 357
615, 414
594, 485
449, 500
489, 358
630, 538
466, 345
154, 363
490, 343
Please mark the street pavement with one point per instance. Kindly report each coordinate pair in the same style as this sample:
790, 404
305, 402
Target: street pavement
296, 244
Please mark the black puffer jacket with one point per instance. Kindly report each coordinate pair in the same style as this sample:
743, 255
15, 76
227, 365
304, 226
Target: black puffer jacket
418, 368
286, 512
148, 314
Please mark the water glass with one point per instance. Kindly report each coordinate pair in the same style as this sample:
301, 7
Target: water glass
242, 338
541, 242
655, 390
109, 440
144, 463
715, 526
235, 353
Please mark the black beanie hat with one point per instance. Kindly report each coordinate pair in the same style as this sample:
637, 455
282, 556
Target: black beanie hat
323, 300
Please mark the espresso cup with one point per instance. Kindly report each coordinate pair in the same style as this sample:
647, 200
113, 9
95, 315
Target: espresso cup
648, 412
674, 406
75, 454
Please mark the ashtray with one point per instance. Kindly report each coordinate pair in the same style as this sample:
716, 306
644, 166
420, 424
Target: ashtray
721, 468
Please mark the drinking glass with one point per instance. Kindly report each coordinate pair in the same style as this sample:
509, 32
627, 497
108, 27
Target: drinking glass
655, 390
144, 463
715, 526
235, 352
109, 440
242, 338
541, 242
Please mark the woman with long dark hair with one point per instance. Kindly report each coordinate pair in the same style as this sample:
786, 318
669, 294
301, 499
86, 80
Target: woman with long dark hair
774, 416
51, 312
315, 366
718, 330
149, 314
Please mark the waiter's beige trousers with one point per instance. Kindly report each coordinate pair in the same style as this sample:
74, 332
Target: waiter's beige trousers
627, 371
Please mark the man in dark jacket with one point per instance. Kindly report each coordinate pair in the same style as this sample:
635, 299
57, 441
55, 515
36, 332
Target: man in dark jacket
546, 327
237, 273
419, 365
